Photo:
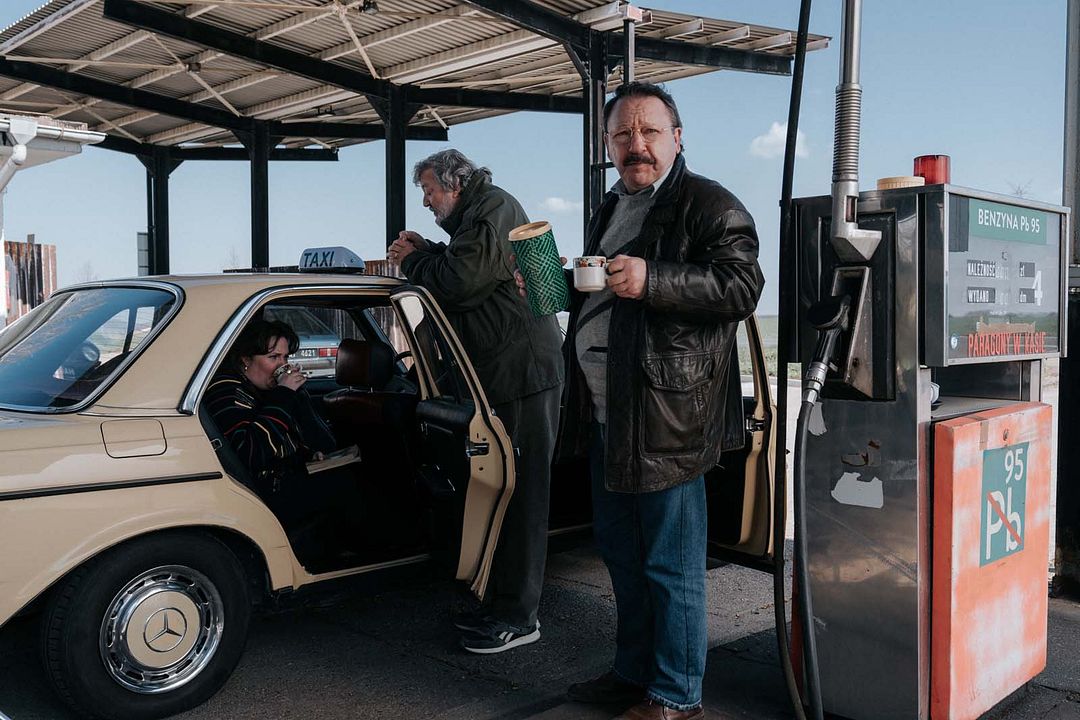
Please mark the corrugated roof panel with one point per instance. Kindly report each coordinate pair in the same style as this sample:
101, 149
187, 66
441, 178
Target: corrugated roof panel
155, 124
34, 17
569, 7
403, 41
308, 39
182, 85
71, 40
277, 88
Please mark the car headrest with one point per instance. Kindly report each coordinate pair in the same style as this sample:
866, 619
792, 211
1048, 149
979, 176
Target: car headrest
364, 364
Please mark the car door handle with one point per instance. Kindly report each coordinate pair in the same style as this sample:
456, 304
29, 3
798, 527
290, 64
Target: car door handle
476, 449
754, 425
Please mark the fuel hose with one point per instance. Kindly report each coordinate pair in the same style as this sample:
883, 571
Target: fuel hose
787, 310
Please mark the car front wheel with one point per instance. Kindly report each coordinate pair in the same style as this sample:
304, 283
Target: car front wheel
149, 629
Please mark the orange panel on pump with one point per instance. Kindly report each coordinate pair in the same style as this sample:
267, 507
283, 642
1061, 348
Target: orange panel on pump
990, 550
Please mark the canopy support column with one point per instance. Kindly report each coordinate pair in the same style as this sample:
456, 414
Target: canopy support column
259, 144
592, 65
159, 165
629, 50
395, 113
1067, 549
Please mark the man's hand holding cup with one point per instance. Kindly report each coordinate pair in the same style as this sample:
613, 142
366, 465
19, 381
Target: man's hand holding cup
627, 276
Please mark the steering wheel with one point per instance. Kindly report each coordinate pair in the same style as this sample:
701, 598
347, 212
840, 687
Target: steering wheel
402, 355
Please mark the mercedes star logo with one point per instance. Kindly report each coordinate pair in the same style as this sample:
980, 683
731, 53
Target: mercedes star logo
165, 629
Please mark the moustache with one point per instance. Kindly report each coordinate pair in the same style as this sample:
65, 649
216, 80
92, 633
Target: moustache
635, 159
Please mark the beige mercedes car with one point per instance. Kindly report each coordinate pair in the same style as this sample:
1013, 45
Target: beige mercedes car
129, 527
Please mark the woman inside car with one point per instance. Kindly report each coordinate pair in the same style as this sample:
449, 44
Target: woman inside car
258, 401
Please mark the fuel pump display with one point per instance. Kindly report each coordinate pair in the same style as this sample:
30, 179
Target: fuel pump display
926, 457
1002, 274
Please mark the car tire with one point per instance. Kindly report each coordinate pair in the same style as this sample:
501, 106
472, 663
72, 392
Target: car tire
149, 629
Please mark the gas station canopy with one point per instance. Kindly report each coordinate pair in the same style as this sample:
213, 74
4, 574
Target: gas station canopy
265, 80
201, 74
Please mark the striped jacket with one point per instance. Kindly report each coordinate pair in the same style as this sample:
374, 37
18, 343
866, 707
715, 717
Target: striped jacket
272, 431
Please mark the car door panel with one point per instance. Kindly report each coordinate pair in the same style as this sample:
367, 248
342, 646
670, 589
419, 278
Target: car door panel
465, 461
739, 490
443, 428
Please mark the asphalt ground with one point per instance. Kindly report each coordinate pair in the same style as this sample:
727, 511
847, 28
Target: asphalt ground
346, 654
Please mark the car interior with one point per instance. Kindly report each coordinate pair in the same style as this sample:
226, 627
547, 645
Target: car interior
369, 401
411, 475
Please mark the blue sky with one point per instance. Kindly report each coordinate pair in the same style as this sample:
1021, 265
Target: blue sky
979, 80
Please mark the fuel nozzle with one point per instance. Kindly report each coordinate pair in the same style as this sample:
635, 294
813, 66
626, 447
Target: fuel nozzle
830, 318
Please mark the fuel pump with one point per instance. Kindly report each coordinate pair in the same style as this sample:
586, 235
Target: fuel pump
922, 317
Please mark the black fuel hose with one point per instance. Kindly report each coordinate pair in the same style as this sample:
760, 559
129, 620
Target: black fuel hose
811, 678
787, 308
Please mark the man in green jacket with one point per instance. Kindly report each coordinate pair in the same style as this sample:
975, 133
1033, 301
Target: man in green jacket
518, 359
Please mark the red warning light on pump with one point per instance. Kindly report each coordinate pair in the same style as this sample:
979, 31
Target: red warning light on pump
933, 168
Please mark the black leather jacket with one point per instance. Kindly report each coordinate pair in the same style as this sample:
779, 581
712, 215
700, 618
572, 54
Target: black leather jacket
668, 353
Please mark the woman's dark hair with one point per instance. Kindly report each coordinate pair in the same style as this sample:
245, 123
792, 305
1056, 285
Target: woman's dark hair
258, 336
643, 89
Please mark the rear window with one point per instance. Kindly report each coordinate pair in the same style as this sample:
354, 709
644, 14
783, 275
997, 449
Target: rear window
58, 355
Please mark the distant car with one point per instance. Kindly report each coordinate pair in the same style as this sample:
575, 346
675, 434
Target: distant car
318, 350
132, 528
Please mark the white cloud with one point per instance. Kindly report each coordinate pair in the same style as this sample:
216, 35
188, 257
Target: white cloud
771, 144
562, 205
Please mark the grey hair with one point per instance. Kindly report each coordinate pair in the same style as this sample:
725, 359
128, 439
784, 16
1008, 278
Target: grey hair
451, 168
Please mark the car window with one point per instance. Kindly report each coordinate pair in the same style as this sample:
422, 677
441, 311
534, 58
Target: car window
302, 320
435, 354
320, 331
121, 333
385, 320
74, 342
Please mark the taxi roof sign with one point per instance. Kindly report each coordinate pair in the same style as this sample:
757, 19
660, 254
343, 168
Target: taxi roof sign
330, 259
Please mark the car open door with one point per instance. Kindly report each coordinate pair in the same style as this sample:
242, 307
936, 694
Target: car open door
465, 461
739, 490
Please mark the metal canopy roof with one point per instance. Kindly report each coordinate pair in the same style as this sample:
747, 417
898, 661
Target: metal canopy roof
200, 73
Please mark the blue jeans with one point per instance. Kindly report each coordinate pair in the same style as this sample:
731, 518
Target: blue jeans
654, 547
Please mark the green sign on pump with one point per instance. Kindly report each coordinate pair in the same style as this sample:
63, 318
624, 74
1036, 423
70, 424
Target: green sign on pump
997, 221
1004, 495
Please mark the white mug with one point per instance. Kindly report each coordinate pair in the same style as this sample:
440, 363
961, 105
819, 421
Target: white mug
590, 273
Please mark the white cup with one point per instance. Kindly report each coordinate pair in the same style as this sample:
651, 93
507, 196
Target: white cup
590, 273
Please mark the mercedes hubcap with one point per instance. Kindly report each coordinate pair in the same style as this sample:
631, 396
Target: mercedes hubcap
162, 629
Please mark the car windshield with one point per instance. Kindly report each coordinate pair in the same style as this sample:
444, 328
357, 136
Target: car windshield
65, 349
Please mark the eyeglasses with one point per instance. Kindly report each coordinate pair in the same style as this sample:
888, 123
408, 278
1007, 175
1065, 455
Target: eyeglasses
625, 136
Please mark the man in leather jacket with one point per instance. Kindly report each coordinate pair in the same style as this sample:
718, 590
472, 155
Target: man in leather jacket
517, 358
648, 366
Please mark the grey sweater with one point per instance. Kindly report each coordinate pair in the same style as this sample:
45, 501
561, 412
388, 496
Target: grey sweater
590, 342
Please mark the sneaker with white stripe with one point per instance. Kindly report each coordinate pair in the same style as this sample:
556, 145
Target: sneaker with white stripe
495, 637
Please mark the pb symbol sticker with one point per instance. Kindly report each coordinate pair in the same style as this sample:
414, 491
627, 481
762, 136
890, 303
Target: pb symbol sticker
1004, 489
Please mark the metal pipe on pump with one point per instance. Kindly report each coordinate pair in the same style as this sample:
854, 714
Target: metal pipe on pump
852, 244
832, 317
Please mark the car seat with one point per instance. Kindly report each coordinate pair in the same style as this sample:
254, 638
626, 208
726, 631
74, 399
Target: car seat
370, 396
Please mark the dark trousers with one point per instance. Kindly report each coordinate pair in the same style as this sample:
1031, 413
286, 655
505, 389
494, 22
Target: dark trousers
517, 575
